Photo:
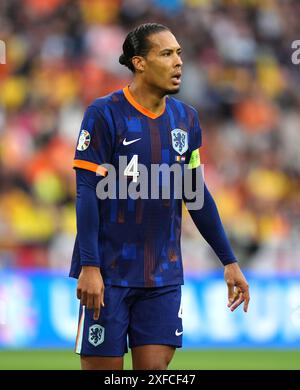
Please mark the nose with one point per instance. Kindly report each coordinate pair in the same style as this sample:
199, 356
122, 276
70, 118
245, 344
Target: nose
178, 61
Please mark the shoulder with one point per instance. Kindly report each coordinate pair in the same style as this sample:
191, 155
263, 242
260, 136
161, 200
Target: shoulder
191, 115
179, 104
106, 103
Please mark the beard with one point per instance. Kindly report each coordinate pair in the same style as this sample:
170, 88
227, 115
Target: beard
172, 91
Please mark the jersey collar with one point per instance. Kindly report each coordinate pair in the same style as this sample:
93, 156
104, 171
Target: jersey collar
139, 107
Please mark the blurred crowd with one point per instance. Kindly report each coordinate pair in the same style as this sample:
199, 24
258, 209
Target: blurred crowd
238, 73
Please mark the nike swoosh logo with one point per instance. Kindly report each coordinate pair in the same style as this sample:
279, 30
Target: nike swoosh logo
125, 143
177, 333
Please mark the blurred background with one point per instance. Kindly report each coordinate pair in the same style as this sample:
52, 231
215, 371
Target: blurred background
238, 73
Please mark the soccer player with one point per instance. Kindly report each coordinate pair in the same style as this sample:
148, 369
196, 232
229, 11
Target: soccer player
127, 255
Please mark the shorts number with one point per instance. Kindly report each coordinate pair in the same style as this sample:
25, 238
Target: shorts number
180, 310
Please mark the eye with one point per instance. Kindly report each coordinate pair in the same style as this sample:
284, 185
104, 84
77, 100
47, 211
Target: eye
166, 54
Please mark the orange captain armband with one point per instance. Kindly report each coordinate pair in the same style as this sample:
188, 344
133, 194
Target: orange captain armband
90, 167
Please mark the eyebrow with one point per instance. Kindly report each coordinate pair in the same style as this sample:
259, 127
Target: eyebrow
169, 49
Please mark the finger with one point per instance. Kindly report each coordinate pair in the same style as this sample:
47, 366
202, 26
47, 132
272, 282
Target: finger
83, 299
236, 295
247, 299
238, 302
97, 305
245, 290
78, 293
230, 293
102, 298
90, 301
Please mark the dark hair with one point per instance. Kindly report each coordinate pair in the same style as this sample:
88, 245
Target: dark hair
137, 44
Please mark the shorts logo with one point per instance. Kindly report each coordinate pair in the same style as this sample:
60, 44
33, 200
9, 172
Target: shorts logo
84, 140
179, 141
96, 335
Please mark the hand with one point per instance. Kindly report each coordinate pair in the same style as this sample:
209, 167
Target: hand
238, 289
90, 289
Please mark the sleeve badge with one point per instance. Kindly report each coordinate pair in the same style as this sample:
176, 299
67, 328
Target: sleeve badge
84, 140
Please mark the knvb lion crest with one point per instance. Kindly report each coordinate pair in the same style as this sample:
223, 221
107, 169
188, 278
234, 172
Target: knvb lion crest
179, 140
96, 335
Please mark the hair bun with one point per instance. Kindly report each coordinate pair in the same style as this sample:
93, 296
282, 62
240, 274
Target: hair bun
122, 59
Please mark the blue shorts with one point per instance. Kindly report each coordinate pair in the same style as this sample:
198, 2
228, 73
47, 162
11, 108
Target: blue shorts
145, 315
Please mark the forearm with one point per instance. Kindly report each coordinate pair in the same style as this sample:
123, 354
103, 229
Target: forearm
208, 222
87, 215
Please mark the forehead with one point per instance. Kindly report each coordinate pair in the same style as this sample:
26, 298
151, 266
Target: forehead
163, 40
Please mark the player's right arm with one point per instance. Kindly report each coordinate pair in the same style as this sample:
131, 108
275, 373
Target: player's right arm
93, 149
90, 287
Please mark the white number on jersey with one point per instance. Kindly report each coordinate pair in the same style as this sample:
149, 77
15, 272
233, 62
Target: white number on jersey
132, 168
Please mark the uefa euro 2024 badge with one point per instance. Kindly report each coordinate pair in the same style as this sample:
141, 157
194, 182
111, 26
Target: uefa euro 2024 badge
84, 140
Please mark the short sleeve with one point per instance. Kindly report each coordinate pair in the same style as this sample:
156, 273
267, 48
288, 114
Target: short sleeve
94, 144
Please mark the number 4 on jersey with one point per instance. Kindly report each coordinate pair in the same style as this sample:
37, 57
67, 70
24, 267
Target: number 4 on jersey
132, 168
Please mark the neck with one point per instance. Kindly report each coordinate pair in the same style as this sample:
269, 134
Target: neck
147, 97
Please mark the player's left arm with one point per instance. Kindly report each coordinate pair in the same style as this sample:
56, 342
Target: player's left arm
238, 288
209, 224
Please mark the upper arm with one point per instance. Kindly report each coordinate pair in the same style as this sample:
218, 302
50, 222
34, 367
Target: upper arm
195, 143
94, 146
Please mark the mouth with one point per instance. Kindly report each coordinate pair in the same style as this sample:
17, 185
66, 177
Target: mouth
176, 78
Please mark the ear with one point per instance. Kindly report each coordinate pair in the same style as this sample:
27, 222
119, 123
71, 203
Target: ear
138, 63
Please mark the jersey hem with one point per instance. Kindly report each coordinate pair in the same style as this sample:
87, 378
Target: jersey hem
118, 283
